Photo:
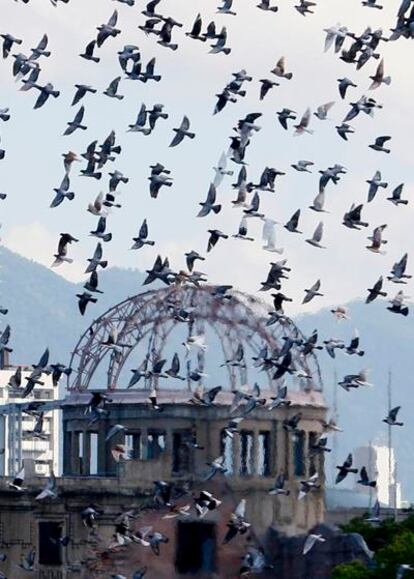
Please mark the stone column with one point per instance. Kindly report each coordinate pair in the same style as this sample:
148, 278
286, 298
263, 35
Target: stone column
276, 454
74, 457
168, 452
199, 456
168, 440
144, 443
102, 462
236, 455
287, 452
255, 453
67, 450
214, 432
86, 453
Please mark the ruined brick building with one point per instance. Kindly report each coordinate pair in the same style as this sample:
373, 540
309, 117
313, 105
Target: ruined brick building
158, 446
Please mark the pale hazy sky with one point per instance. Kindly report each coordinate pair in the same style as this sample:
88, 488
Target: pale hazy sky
191, 78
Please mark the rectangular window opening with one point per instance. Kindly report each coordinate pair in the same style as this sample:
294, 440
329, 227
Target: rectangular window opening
227, 450
50, 549
196, 547
313, 456
264, 454
81, 437
80, 444
93, 464
133, 445
156, 444
299, 453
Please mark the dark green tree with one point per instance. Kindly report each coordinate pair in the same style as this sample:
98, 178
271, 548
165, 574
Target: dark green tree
392, 543
354, 570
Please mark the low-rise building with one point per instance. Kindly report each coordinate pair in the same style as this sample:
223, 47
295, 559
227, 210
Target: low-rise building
17, 441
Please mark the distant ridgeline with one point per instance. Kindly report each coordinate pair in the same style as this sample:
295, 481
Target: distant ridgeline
41, 313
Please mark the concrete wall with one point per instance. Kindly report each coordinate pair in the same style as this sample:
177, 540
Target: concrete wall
20, 515
130, 486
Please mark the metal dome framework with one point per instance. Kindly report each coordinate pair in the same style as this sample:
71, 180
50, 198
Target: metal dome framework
151, 317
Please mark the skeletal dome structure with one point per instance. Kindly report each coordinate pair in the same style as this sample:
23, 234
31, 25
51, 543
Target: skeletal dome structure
176, 440
157, 324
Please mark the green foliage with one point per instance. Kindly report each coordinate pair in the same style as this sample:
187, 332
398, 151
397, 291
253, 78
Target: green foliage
380, 535
400, 550
393, 544
354, 570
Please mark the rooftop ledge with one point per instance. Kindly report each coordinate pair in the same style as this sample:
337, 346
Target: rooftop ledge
312, 398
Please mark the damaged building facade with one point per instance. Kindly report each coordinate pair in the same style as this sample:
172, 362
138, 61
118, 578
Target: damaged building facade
254, 457
159, 444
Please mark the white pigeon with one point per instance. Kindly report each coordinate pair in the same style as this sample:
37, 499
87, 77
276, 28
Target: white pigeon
114, 430
319, 202
97, 207
221, 170
195, 341
49, 492
402, 569
311, 541
341, 313
181, 511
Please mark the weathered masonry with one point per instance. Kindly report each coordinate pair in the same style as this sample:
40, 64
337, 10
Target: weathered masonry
262, 449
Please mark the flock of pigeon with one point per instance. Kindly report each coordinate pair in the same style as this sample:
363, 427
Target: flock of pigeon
358, 50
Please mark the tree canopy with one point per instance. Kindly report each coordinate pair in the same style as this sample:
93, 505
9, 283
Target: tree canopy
392, 543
